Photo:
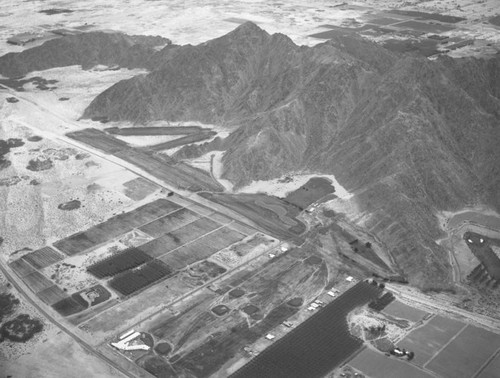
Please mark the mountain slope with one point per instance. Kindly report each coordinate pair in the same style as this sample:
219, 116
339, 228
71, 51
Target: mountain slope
410, 137
87, 50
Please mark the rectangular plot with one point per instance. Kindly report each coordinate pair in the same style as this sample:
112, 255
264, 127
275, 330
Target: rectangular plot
179, 237
21, 267
128, 259
52, 295
131, 281
465, 354
492, 369
115, 226
202, 248
428, 339
37, 282
43, 257
402, 311
377, 365
170, 222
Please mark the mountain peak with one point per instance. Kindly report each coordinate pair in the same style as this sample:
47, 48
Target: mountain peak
248, 29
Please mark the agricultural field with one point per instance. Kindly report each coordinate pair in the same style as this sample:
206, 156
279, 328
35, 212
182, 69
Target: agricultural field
132, 281
170, 222
115, 226
21, 267
274, 215
202, 248
428, 339
177, 238
70, 305
52, 295
465, 354
43, 257
491, 370
401, 311
125, 260
316, 346
376, 365
37, 282
313, 190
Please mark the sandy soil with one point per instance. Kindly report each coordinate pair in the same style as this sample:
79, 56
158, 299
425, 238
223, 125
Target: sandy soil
29, 215
56, 355
80, 86
364, 318
50, 353
281, 189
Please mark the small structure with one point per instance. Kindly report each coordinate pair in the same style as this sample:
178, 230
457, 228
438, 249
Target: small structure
126, 334
272, 255
270, 336
331, 294
288, 324
350, 279
124, 343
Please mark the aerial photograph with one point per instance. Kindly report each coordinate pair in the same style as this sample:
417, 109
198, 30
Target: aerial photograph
250, 189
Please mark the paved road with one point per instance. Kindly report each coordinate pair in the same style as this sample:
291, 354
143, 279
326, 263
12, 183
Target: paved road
412, 297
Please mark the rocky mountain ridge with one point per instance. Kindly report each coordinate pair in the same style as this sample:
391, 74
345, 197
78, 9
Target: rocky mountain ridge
87, 50
409, 136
